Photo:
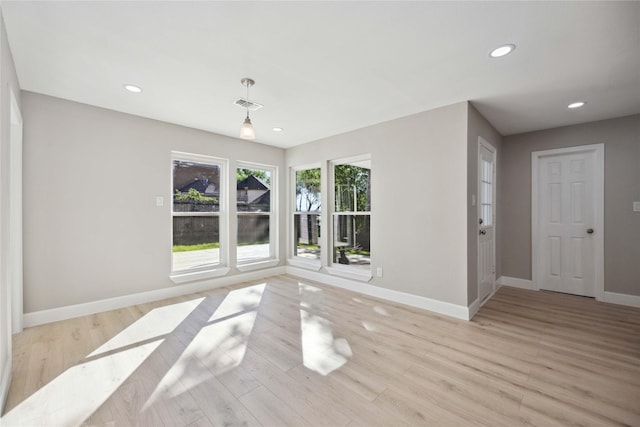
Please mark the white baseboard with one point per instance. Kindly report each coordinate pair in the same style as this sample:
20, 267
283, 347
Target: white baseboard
4, 384
517, 283
622, 299
473, 308
441, 307
71, 311
610, 297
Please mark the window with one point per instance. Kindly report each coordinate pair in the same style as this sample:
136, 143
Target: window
351, 217
197, 209
486, 193
256, 219
306, 215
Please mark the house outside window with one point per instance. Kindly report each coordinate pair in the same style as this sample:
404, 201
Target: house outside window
197, 213
306, 214
351, 214
256, 236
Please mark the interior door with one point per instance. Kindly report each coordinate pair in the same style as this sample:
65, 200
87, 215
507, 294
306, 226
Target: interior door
566, 215
486, 219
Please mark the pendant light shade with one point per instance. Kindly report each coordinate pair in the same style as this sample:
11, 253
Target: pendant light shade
246, 131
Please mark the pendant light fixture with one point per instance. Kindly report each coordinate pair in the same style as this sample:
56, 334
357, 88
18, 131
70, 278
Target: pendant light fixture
246, 131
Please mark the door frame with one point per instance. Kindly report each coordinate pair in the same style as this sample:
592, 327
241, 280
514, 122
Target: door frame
15, 248
483, 143
598, 193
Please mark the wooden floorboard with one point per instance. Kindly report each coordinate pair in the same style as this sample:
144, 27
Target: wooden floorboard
287, 351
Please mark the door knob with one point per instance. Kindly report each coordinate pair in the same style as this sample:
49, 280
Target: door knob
590, 230
483, 232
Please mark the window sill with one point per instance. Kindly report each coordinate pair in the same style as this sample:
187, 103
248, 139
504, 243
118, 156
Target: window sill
305, 263
350, 273
258, 265
180, 278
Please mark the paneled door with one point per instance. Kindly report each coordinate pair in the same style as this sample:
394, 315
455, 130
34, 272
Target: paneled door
486, 219
567, 211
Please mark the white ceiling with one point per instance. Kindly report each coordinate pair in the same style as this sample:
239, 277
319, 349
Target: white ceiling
324, 68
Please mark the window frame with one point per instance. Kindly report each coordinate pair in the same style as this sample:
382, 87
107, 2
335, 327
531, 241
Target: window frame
273, 259
311, 264
221, 267
347, 271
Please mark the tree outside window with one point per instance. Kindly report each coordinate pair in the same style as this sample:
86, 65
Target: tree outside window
306, 216
352, 213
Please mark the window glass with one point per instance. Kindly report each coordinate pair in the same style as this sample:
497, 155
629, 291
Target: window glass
196, 221
352, 213
306, 218
254, 214
486, 193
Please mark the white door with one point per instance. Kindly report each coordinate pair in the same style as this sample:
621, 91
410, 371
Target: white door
565, 247
486, 219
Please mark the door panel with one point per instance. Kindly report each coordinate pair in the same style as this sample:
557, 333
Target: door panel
486, 219
566, 211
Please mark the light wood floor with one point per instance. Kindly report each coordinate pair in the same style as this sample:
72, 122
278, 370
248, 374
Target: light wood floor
292, 352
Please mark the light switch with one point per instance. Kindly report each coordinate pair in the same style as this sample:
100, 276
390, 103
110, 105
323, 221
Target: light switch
159, 201
636, 206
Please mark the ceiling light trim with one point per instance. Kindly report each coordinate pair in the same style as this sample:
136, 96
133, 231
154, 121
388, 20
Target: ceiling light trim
132, 88
502, 51
576, 104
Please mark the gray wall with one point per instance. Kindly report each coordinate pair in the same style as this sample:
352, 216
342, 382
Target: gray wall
621, 138
419, 198
91, 227
478, 126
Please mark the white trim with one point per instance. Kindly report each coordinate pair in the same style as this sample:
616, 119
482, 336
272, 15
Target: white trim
608, 297
14, 254
5, 384
350, 273
494, 190
71, 311
622, 299
598, 190
258, 265
292, 212
274, 223
193, 276
308, 264
441, 307
222, 214
330, 265
514, 282
475, 306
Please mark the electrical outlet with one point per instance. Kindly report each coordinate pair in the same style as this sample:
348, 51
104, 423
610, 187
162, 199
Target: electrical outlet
379, 272
636, 206
159, 201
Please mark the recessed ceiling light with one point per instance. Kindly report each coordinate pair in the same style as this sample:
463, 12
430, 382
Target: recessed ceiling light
277, 129
133, 88
577, 104
503, 50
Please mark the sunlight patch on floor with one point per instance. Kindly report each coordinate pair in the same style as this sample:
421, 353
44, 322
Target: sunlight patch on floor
218, 347
321, 352
74, 395
158, 322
